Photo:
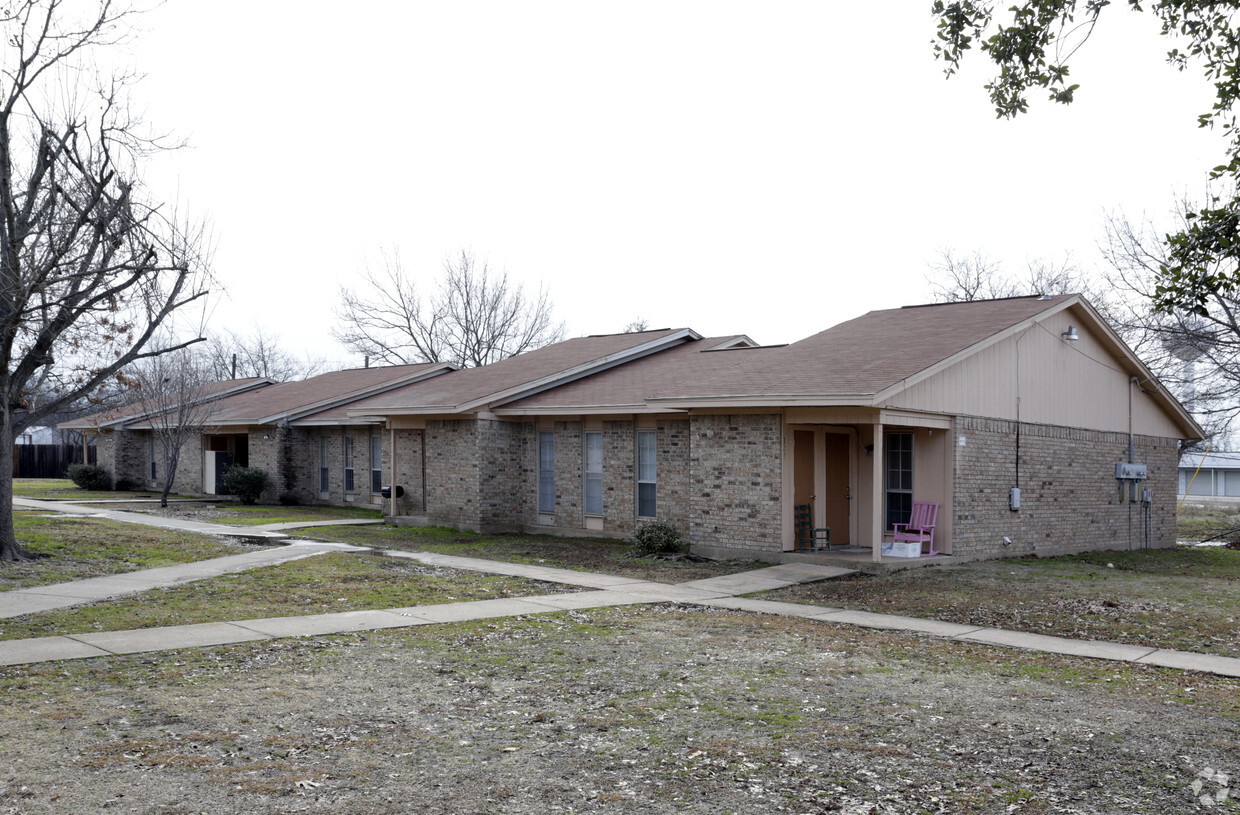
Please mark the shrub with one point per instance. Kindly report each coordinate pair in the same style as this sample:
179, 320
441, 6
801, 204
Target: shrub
656, 537
90, 476
125, 485
247, 483
288, 499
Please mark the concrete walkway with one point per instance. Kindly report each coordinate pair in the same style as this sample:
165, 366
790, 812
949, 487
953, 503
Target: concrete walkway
274, 531
143, 519
605, 591
62, 595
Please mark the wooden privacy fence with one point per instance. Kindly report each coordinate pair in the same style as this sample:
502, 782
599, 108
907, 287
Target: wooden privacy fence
47, 460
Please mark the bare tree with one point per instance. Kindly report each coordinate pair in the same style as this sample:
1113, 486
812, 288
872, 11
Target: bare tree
230, 355
89, 267
637, 326
959, 277
178, 395
1195, 354
472, 317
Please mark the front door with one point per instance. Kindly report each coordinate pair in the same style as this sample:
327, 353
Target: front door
838, 492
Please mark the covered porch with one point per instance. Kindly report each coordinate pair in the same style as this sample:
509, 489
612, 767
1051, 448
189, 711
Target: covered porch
859, 471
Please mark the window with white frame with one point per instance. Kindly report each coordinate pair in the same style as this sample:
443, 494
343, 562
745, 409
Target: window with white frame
898, 450
348, 464
594, 472
647, 472
376, 463
324, 471
546, 471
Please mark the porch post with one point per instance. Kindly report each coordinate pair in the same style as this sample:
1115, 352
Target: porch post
392, 463
877, 474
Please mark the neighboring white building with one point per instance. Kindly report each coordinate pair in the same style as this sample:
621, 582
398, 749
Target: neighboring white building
1213, 475
40, 435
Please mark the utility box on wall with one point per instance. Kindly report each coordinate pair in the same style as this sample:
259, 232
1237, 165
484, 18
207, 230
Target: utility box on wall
1129, 475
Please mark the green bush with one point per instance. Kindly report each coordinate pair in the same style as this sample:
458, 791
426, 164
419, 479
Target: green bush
247, 483
655, 538
90, 476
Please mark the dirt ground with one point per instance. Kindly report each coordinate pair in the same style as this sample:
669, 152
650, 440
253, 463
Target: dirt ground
667, 709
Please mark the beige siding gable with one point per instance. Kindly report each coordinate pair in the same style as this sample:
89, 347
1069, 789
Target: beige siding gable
1047, 379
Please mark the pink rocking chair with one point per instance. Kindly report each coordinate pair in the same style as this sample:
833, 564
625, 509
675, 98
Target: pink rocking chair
920, 527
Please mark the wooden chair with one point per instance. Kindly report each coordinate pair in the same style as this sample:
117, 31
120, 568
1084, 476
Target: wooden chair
809, 537
920, 526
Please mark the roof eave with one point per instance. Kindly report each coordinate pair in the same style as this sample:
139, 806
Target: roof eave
768, 400
353, 396
527, 389
585, 410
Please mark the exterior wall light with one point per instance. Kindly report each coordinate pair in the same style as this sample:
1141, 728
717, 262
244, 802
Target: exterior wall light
1070, 335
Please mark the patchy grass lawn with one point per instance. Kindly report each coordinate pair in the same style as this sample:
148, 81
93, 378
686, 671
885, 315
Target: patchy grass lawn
582, 554
1186, 598
655, 710
62, 489
1199, 522
337, 581
234, 514
75, 548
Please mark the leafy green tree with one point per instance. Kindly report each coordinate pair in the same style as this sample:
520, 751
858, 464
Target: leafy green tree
1031, 52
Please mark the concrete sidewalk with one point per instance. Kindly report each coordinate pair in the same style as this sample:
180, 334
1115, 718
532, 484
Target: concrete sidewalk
606, 591
274, 531
62, 595
143, 519
620, 592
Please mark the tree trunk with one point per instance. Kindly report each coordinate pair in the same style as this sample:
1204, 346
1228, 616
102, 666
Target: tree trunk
9, 550
171, 460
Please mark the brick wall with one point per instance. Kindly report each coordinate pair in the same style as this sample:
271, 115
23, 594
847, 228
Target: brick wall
619, 472
408, 470
125, 454
265, 454
672, 457
504, 451
188, 478
736, 473
452, 472
619, 477
290, 457
569, 475
309, 452
1070, 498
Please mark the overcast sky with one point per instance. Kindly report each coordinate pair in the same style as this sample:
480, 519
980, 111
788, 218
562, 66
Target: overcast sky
760, 168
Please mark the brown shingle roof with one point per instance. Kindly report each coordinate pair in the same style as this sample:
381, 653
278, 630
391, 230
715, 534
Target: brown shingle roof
473, 387
626, 388
318, 392
859, 357
135, 409
872, 352
261, 400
